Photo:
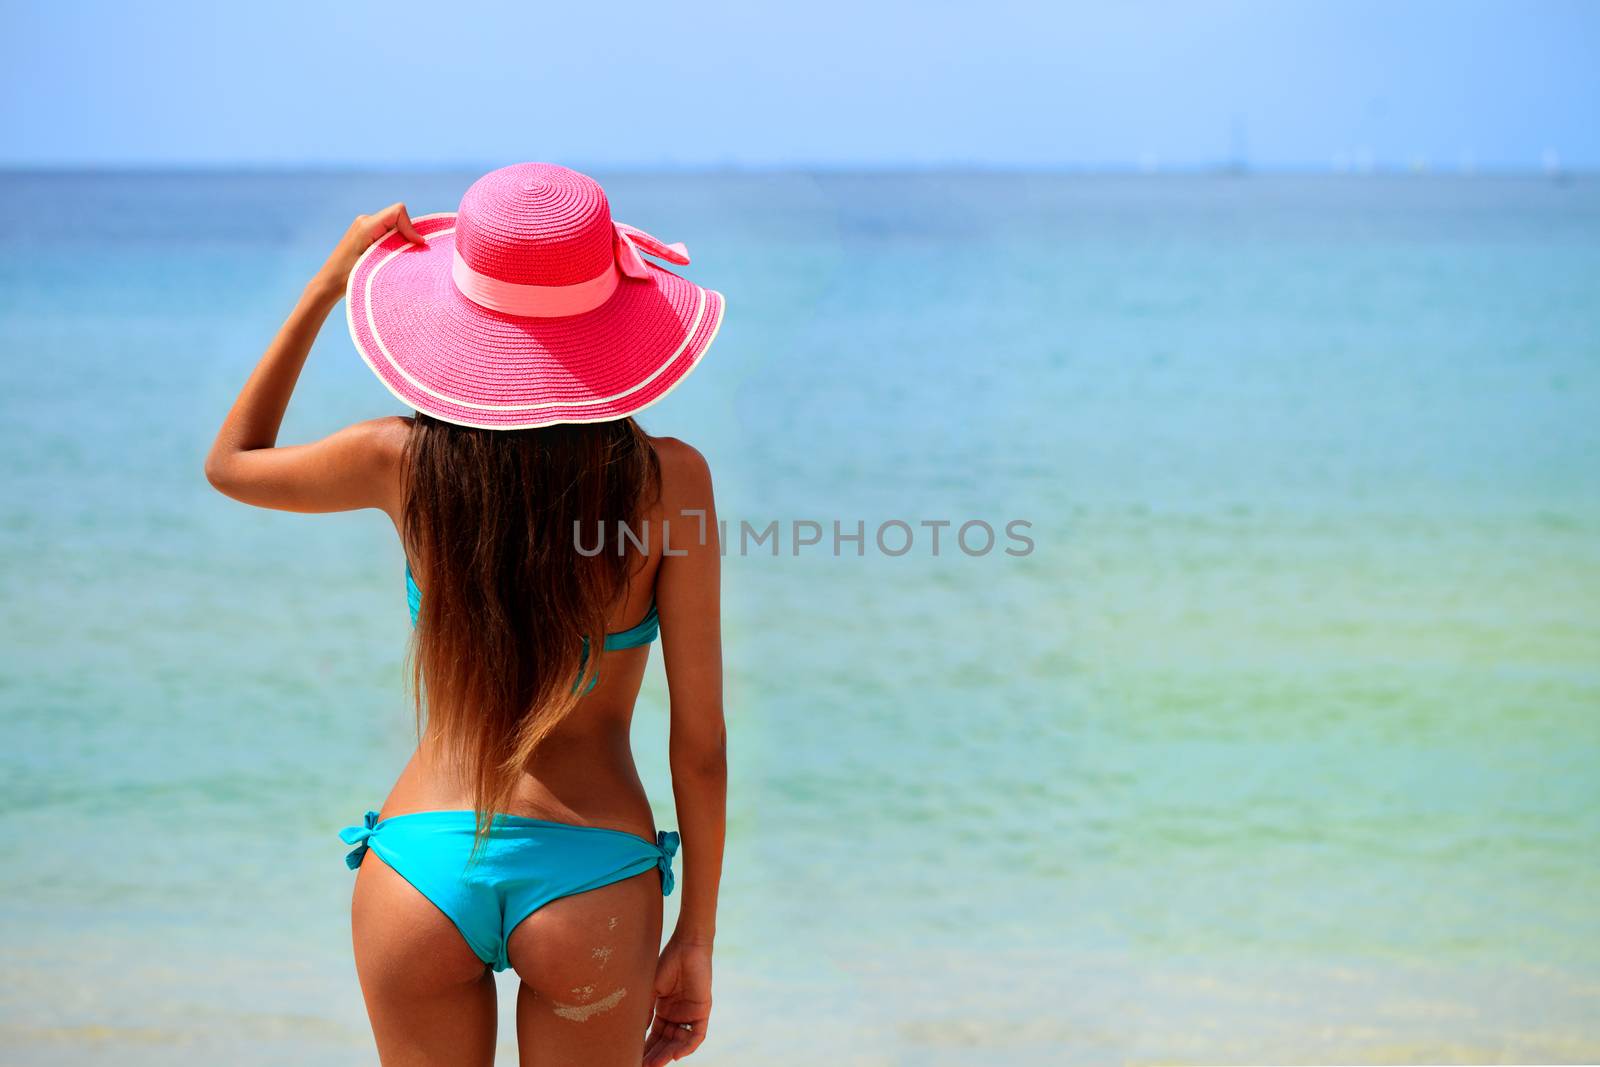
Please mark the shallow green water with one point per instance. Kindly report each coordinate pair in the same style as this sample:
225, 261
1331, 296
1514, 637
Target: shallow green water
1280, 746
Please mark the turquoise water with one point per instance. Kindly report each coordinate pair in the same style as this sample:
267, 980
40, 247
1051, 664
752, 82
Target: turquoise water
1281, 745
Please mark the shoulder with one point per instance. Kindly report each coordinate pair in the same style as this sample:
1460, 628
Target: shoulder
391, 428
382, 439
685, 474
379, 447
679, 455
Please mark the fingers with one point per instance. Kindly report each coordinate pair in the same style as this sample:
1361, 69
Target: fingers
409, 232
668, 1040
668, 1043
655, 1048
394, 217
656, 1042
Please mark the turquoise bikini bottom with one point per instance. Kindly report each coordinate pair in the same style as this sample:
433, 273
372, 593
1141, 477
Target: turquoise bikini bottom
524, 865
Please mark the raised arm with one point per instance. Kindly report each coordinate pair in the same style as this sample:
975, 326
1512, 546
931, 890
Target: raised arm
688, 597
353, 468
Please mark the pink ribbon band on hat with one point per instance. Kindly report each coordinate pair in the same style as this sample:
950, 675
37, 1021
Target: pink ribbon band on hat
533, 301
556, 301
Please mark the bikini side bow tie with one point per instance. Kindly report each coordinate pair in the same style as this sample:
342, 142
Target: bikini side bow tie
667, 842
359, 837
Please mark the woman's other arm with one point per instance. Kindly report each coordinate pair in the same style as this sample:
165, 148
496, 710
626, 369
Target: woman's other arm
688, 595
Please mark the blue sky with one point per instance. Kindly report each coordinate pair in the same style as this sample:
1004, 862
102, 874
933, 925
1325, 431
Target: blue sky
1348, 83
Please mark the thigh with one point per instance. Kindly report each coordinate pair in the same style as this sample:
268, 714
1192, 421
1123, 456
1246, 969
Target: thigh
430, 999
588, 964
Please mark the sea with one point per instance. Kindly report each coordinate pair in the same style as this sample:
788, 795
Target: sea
1266, 730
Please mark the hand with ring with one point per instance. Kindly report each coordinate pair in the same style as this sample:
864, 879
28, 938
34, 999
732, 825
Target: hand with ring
683, 1002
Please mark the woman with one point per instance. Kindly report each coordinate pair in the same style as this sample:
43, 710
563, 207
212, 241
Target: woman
525, 330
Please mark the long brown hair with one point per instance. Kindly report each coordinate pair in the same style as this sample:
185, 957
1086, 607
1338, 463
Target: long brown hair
507, 600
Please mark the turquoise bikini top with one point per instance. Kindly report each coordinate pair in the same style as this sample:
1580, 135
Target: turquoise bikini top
634, 636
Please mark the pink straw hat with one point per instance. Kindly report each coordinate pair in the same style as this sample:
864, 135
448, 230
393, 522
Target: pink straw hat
529, 306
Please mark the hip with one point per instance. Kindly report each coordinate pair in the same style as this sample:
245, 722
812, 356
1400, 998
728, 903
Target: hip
572, 784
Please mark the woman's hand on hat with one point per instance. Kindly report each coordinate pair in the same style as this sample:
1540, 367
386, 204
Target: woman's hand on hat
362, 234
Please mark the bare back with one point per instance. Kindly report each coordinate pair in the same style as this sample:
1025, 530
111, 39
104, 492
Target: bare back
584, 772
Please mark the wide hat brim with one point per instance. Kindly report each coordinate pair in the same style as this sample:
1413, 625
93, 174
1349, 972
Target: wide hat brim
451, 358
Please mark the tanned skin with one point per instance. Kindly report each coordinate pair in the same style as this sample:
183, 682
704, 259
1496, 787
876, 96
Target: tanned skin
595, 989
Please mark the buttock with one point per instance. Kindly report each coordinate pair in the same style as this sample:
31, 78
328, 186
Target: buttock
521, 865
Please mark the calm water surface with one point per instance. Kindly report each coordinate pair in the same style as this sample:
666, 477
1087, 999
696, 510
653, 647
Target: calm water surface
1282, 744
